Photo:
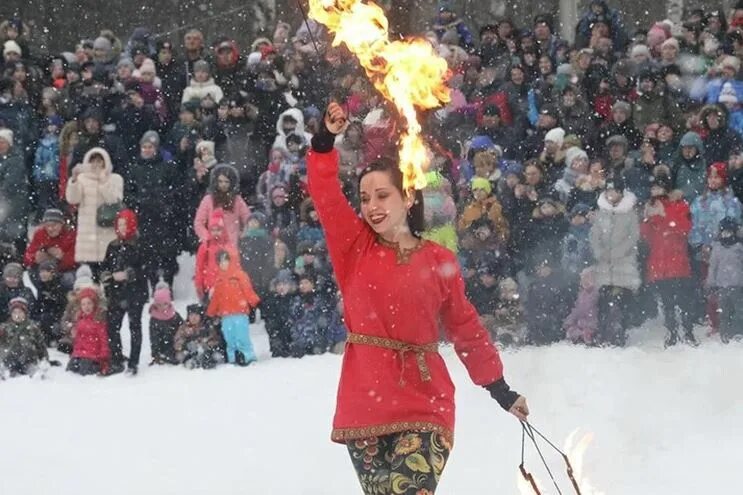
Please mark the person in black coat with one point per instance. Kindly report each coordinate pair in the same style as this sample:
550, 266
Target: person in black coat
172, 74
276, 312
721, 141
125, 282
550, 299
152, 192
51, 301
93, 136
256, 254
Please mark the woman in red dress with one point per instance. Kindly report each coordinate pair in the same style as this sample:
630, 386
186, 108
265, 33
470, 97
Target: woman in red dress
395, 407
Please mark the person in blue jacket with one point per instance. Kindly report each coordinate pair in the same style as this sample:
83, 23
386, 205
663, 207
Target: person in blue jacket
448, 20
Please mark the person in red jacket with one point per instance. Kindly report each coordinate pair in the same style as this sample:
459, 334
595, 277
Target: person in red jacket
54, 241
218, 240
232, 298
395, 404
90, 351
665, 228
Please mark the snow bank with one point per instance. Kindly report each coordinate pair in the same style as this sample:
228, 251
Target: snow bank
664, 422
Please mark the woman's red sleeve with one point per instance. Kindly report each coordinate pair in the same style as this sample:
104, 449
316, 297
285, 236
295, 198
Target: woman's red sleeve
471, 340
344, 230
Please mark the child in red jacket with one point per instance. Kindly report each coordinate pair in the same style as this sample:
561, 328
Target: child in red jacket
666, 228
90, 351
232, 298
206, 264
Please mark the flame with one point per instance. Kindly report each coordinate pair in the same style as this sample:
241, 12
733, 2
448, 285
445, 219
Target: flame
408, 73
575, 448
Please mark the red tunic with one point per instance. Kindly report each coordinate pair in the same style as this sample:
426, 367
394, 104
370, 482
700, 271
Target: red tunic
399, 301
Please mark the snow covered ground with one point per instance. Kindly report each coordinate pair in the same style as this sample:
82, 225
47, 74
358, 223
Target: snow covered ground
665, 422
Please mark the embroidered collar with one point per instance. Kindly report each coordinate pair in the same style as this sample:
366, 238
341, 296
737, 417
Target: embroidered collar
403, 254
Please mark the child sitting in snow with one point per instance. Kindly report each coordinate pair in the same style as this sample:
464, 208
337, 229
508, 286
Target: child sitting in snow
12, 287
90, 351
583, 321
232, 298
197, 342
22, 346
164, 323
276, 312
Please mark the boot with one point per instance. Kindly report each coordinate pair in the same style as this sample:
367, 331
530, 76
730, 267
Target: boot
115, 368
132, 369
671, 339
690, 339
240, 359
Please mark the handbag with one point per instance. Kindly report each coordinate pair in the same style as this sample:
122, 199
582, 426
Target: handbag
106, 214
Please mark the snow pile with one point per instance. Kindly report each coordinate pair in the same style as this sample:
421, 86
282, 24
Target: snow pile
664, 422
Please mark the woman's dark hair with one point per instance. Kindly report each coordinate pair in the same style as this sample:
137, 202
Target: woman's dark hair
416, 220
223, 199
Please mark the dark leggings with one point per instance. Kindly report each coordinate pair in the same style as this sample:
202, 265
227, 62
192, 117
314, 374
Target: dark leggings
677, 293
404, 463
115, 317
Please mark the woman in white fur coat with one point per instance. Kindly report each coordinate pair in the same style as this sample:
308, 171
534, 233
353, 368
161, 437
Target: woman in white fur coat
93, 184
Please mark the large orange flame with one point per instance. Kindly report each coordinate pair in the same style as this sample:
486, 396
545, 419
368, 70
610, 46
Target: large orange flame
408, 73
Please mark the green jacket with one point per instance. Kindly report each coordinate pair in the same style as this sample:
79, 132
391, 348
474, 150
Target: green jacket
21, 343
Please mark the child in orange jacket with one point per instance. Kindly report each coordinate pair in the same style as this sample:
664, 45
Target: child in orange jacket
232, 298
218, 240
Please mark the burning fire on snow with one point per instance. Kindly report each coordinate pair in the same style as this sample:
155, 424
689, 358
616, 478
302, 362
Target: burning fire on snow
575, 448
408, 73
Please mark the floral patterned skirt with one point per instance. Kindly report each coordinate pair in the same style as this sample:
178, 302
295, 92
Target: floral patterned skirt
407, 463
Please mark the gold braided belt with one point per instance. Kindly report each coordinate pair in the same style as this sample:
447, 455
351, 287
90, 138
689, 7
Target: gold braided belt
402, 348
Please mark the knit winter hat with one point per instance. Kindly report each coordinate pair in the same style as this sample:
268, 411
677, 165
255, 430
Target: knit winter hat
720, 169
102, 43
201, 66
481, 183
556, 135
580, 209
83, 278
148, 67
18, 302
622, 106
126, 62
151, 137
572, 154
14, 270
640, 50
11, 46
53, 215
162, 294
48, 266
511, 167
195, 309
7, 136
691, 139
670, 42
619, 140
